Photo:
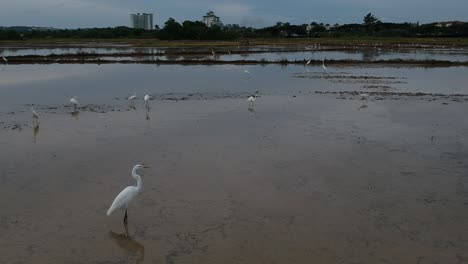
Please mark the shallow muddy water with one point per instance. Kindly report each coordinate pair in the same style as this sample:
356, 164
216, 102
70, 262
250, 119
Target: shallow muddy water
305, 177
53, 85
266, 53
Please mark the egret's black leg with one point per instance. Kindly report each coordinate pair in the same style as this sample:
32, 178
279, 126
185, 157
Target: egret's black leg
126, 222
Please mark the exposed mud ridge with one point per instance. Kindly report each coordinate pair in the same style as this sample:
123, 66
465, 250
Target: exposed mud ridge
185, 52
453, 97
393, 62
383, 83
379, 87
314, 75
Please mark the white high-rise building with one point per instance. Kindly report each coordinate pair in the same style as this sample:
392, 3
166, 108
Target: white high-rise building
211, 20
144, 21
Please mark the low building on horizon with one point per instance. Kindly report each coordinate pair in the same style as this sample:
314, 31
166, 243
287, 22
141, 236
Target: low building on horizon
143, 21
212, 20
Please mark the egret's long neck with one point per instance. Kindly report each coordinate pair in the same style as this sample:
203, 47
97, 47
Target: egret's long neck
137, 178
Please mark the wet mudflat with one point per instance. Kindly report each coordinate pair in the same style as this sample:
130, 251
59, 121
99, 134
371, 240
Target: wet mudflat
308, 176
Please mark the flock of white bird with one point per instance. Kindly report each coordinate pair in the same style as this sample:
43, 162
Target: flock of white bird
76, 105
123, 199
126, 195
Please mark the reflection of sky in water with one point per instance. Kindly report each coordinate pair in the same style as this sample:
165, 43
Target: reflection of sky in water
55, 84
359, 54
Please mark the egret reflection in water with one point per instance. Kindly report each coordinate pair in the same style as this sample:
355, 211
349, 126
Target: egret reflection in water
35, 132
75, 114
148, 113
130, 245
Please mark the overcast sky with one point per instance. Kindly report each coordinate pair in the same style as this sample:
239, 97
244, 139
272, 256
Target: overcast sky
259, 13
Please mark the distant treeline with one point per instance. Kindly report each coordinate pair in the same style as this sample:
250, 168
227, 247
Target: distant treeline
195, 30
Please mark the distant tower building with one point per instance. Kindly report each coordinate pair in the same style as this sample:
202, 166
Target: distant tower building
211, 20
144, 21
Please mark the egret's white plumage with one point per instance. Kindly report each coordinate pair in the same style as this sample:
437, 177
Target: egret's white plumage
308, 62
212, 52
126, 195
5, 59
132, 98
74, 102
248, 73
146, 98
34, 113
323, 64
364, 96
251, 100
35, 117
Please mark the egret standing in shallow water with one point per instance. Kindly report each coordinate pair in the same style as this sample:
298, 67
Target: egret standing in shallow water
126, 195
323, 64
35, 117
4, 59
251, 101
364, 96
308, 62
146, 98
248, 73
74, 103
132, 99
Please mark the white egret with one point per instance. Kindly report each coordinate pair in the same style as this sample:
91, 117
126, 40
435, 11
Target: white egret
364, 96
132, 99
35, 117
126, 195
323, 64
74, 103
146, 98
213, 52
308, 62
251, 100
248, 73
5, 59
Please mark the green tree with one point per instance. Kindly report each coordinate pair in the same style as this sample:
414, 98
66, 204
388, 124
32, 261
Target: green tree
370, 20
172, 29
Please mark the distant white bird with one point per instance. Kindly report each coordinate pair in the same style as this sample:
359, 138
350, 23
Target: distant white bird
146, 98
213, 52
308, 62
251, 101
74, 103
5, 59
35, 117
323, 64
126, 195
132, 99
248, 73
364, 96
